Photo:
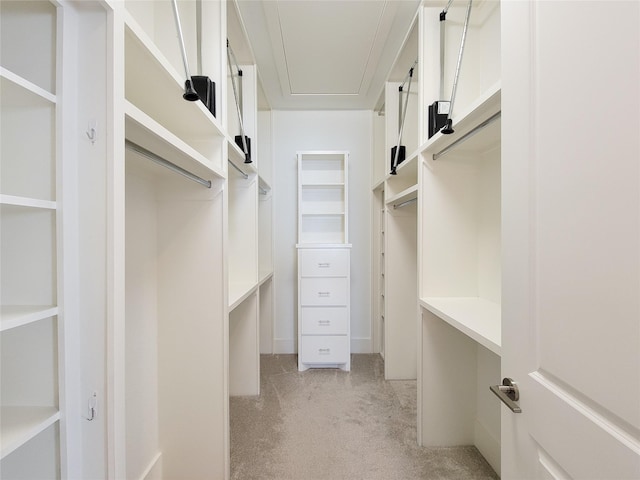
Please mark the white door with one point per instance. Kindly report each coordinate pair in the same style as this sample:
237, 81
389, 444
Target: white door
571, 238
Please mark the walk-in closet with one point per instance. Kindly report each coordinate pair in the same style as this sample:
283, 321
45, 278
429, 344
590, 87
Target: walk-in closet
283, 239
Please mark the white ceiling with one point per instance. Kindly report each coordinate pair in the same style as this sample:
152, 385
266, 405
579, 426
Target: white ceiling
325, 54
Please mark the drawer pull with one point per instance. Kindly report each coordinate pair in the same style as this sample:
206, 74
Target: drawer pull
324, 323
324, 351
324, 294
324, 264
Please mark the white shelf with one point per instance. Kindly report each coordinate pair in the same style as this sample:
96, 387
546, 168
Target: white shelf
26, 85
404, 167
236, 156
264, 185
153, 85
239, 292
27, 202
488, 104
149, 134
21, 424
263, 277
12, 316
477, 318
406, 195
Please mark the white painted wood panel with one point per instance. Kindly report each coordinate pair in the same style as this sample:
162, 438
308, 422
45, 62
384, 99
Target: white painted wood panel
571, 236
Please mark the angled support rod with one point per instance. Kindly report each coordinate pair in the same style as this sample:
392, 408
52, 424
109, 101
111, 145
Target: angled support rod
448, 127
189, 92
230, 56
165, 163
403, 116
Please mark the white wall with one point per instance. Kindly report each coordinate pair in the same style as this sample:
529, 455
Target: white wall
321, 130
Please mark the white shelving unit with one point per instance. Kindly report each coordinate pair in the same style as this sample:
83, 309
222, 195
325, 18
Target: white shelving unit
323, 260
459, 243
171, 316
249, 217
32, 247
395, 196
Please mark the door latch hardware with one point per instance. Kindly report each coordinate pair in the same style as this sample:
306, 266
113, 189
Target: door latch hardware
509, 394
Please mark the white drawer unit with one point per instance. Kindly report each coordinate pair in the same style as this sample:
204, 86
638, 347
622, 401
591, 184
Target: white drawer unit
316, 350
324, 262
318, 291
324, 254
324, 321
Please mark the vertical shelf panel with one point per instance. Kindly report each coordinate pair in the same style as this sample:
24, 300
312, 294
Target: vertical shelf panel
460, 206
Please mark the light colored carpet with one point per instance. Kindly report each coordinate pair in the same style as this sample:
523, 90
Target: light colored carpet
329, 424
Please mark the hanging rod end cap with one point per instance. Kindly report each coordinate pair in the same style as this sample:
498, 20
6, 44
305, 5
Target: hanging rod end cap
189, 92
448, 127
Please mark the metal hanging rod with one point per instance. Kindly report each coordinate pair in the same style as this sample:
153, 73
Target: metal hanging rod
468, 135
244, 175
405, 203
262, 191
166, 163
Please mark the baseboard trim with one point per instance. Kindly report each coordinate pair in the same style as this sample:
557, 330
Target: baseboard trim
487, 445
283, 346
361, 345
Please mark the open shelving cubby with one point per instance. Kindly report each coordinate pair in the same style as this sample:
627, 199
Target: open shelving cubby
243, 221
459, 232
32, 335
322, 198
397, 248
461, 228
174, 312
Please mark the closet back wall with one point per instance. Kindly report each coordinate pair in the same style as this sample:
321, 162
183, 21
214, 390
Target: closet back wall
321, 130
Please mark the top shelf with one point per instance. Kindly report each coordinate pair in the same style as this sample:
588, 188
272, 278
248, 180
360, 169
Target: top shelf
154, 86
147, 133
485, 107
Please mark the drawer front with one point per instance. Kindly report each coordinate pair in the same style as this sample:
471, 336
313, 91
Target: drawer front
324, 263
325, 321
324, 349
324, 291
